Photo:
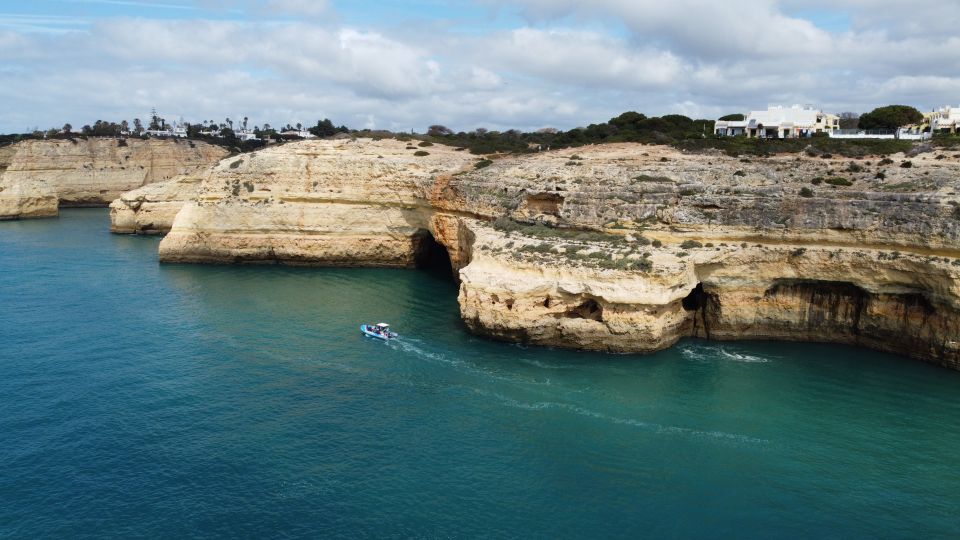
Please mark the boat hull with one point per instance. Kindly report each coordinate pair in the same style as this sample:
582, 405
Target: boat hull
370, 333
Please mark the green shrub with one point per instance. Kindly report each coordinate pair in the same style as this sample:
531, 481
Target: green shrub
956, 212
881, 175
425, 144
507, 225
657, 244
854, 168
885, 161
806, 192
906, 165
798, 252
542, 247
838, 181
482, 163
739, 173
817, 181
690, 244
421, 153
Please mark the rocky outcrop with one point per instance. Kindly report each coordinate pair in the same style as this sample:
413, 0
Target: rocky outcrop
336, 203
617, 247
622, 296
93, 171
21, 200
152, 208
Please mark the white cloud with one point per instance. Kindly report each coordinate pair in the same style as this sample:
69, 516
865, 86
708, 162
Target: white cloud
580, 58
573, 63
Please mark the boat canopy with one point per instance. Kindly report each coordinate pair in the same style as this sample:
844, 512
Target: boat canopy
383, 325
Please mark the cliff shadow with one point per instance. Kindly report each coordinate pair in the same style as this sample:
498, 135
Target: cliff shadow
431, 256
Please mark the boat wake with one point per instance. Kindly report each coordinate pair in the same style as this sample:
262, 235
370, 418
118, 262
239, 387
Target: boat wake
647, 426
410, 347
712, 354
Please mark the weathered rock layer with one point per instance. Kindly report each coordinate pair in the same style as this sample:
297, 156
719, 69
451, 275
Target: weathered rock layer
41, 175
337, 203
792, 247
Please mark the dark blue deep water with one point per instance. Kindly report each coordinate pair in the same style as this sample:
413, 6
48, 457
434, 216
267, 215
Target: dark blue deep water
185, 401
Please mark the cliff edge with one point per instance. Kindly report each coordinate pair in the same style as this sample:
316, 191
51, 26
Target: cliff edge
42, 175
619, 247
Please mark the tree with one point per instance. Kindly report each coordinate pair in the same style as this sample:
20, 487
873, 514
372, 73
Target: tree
849, 120
891, 117
137, 126
245, 120
628, 118
154, 119
733, 118
124, 126
67, 128
437, 130
324, 128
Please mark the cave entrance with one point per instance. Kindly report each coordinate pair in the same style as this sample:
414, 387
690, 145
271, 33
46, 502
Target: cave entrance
697, 299
545, 203
589, 309
431, 256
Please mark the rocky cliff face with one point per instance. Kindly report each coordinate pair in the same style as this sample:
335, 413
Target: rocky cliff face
338, 203
616, 247
23, 199
152, 208
94, 171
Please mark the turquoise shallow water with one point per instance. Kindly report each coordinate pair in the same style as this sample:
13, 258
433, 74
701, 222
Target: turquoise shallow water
180, 401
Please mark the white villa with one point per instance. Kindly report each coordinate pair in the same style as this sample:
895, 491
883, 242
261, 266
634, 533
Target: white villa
780, 123
178, 130
301, 133
945, 120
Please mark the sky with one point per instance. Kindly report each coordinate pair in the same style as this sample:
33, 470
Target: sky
497, 64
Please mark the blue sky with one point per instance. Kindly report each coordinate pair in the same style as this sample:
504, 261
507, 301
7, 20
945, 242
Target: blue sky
466, 63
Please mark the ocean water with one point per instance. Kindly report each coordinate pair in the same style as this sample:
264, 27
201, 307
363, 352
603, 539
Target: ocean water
139, 399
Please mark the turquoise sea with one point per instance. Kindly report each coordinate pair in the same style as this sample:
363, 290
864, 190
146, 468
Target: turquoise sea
146, 400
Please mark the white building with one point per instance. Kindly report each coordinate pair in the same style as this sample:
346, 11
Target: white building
302, 133
945, 120
780, 123
246, 134
178, 130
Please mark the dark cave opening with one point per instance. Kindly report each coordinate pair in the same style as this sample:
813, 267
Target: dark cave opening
589, 309
431, 256
697, 299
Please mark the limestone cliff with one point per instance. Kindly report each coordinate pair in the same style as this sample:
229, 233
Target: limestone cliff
23, 199
152, 208
618, 247
338, 203
94, 171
